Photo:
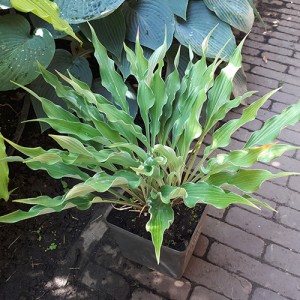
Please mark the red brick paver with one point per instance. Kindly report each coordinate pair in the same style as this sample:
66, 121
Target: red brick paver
261, 250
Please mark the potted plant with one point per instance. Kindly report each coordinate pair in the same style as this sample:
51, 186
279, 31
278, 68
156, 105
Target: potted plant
155, 161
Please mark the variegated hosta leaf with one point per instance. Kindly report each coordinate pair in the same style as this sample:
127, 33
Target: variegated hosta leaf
239, 13
46, 207
78, 11
203, 192
245, 158
246, 180
102, 182
167, 193
174, 163
20, 51
222, 136
151, 18
4, 179
37, 22
161, 218
222, 88
111, 80
62, 61
273, 126
200, 21
46, 10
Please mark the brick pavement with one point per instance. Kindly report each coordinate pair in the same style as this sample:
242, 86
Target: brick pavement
243, 254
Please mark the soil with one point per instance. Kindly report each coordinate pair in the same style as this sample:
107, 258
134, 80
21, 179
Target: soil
31, 250
176, 237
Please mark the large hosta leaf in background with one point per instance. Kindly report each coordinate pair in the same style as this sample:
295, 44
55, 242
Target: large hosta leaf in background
78, 11
238, 13
19, 51
62, 61
152, 18
200, 21
110, 31
178, 7
46, 10
5, 4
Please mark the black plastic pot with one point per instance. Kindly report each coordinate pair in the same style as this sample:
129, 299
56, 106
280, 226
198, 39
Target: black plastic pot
140, 250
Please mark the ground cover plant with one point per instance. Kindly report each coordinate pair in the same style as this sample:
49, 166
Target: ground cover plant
155, 162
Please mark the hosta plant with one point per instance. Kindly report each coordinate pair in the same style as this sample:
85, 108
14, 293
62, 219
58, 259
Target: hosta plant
155, 161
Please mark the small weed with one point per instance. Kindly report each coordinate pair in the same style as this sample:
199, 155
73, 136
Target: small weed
52, 247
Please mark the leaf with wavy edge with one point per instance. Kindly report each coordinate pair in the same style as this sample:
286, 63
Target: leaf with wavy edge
46, 10
161, 218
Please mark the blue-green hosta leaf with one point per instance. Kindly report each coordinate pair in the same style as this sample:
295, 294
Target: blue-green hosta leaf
20, 51
161, 218
110, 31
4, 179
273, 126
246, 180
101, 182
62, 61
179, 8
203, 192
151, 18
200, 22
5, 4
78, 11
239, 13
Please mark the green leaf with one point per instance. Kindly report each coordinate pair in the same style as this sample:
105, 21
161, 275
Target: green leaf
110, 79
4, 171
78, 11
109, 30
200, 21
167, 193
238, 14
203, 192
46, 10
222, 136
221, 91
246, 180
38, 210
161, 218
19, 51
150, 18
62, 61
101, 182
245, 158
273, 126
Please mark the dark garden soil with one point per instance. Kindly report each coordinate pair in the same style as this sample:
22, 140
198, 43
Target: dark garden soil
31, 250
176, 237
